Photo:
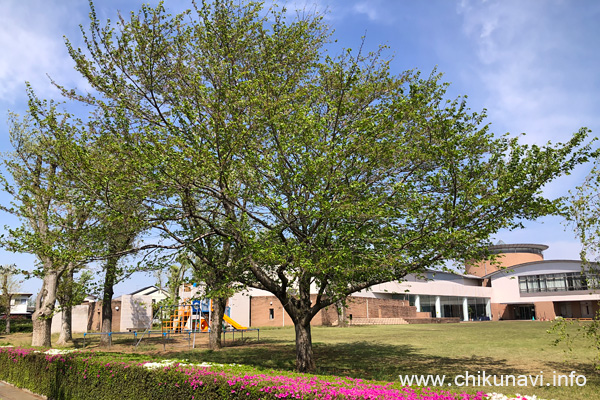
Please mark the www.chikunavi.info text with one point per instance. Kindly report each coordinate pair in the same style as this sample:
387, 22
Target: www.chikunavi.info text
481, 378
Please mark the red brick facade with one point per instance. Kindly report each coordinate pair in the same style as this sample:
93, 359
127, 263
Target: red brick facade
95, 316
268, 311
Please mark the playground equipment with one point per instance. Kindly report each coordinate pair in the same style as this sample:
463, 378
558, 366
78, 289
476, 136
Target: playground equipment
194, 317
234, 324
190, 317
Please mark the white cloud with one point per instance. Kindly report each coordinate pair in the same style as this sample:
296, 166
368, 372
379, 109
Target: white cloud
31, 41
367, 9
374, 10
537, 72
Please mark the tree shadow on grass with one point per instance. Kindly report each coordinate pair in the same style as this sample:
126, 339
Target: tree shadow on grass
268, 354
386, 362
79, 342
357, 359
589, 370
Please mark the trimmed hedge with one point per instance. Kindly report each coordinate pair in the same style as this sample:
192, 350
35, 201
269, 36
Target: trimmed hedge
79, 376
93, 376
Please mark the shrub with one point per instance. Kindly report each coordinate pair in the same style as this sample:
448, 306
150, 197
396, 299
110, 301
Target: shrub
87, 376
17, 325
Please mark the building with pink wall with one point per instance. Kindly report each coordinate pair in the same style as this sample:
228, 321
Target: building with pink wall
545, 290
517, 284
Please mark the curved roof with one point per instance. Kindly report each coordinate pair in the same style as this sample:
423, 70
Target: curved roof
503, 246
527, 264
454, 273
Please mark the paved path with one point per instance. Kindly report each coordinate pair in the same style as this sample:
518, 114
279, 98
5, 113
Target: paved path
10, 392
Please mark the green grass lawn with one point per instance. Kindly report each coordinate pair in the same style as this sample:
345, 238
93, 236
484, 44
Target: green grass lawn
384, 352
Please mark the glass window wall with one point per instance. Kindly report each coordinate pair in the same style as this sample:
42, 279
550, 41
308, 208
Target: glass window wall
562, 282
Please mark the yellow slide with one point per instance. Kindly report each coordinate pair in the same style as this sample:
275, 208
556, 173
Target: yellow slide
233, 323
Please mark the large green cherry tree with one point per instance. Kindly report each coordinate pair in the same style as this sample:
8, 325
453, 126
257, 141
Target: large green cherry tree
326, 173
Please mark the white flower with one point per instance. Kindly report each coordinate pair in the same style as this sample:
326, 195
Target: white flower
58, 351
500, 396
169, 363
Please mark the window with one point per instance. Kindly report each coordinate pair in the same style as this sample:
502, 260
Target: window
522, 284
554, 283
428, 305
410, 297
562, 282
271, 313
477, 308
593, 281
533, 283
559, 282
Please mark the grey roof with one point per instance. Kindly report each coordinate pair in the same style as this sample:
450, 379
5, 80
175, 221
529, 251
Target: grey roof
503, 246
437, 271
147, 287
518, 266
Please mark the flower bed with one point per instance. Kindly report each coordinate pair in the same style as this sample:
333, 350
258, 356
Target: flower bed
87, 375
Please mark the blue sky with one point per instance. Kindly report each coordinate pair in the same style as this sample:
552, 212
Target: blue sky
532, 64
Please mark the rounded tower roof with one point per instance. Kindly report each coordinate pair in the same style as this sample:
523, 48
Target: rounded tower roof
502, 248
508, 255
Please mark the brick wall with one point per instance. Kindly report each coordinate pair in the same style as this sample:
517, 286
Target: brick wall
544, 310
379, 321
368, 307
268, 311
576, 309
95, 316
595, 308
328, 316
502, 311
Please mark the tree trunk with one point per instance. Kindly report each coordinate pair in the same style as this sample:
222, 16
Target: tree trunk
341, 313
7, 297
66, 334
7, 327
216, 323
65, 298
44, 308
305, 361
108, 292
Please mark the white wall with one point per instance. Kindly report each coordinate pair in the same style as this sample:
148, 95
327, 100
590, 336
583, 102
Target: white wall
18, 303
445, 284
79, 319
239, 305
136, 312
